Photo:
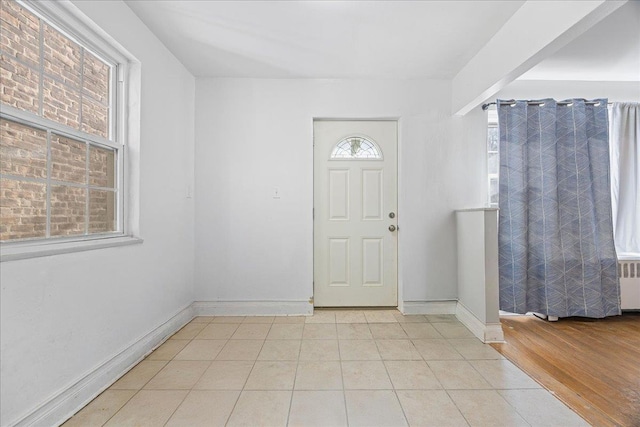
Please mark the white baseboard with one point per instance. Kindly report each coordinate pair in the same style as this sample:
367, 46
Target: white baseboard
429, 307
485, 332
253, 308
68, 401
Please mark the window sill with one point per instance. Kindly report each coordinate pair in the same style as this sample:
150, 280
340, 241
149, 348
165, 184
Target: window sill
41, 249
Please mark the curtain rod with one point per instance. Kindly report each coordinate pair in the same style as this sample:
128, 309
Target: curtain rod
529, 102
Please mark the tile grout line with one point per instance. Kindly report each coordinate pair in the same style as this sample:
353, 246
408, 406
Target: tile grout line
293, 386
344, 391
246, 380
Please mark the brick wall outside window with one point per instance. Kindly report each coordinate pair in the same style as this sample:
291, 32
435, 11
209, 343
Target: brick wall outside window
53, 184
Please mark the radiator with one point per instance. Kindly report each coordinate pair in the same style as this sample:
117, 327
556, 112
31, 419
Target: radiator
629, 273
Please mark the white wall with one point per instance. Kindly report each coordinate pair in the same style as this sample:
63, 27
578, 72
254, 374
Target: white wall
253, 135
565, 89
62, 316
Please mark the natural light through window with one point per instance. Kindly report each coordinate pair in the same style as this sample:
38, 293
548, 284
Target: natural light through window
59, 154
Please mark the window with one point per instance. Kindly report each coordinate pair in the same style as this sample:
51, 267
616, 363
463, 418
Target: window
61, 147
493, 158
356, 147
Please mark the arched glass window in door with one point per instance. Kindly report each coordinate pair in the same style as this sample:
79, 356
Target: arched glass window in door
356, 147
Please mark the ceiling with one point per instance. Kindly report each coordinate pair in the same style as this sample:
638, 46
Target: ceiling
608, 51
371, 39
325, 39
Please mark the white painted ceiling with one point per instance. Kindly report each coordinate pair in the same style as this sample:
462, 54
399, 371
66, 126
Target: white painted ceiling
608, 51
372, 39
324, 39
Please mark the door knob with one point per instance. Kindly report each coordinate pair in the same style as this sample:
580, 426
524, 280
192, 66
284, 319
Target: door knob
392, 228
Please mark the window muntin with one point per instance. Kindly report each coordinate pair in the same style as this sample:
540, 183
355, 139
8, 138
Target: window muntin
59, 155
356, 147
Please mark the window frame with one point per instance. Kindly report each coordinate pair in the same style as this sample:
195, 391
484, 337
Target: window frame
72, 23
492, 122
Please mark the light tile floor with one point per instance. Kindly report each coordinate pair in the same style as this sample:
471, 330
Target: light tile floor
335, 368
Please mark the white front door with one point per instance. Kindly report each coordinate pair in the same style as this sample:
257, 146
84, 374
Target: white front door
355, 213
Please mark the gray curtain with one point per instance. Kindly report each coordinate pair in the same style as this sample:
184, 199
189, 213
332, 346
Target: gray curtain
556, 249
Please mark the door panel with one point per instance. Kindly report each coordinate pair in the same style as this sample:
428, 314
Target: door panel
338, 194
339, 262
372, 194
355, 190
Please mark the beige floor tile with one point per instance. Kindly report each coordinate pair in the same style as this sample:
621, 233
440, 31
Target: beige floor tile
474, 349
323, 331
441, 318
148, 408
202, 319
354, 331
225, 375
430, 408
285, 331
189, 331
374, 408
358, 350
317, 409
528, 403
201, 350
486, 408
319, 350
350, 317
289, 319
178, 375
100, 409
365, 375
387, 331
411, 375
503, 374
261, 408
259, 319
228, 319
217, 331
410, 318
453, 330
204, 409
420, 330
240, 350
322, 317
280, 350
457, 374
272, 375
397, 350
436, 349
251, 331
168, 350
319, 376
380, 316
137, 377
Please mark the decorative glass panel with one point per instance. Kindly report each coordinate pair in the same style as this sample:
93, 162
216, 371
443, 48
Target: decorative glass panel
355, 147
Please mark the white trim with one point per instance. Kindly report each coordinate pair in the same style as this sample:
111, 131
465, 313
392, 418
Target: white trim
428, 307
485, 332
40, 248
253, 308
63, 404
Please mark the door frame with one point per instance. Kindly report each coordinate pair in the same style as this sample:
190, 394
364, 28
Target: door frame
398, 121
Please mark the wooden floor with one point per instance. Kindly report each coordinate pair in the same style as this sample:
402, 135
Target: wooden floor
592, 365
